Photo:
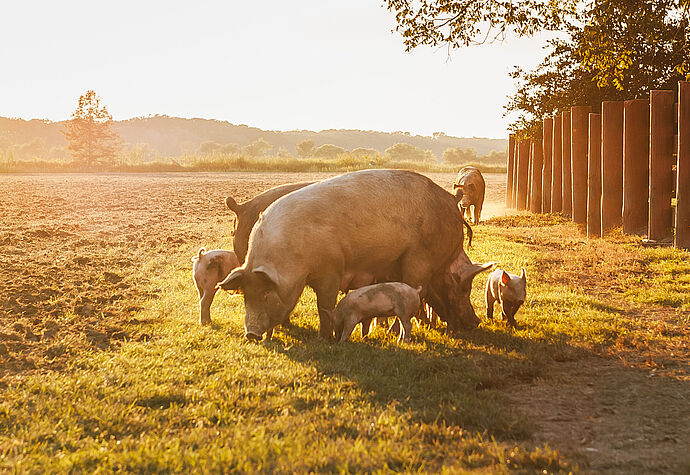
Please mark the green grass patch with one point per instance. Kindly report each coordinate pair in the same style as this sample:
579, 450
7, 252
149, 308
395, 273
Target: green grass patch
203, 399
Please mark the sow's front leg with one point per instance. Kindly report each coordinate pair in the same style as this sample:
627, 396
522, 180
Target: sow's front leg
326, 297
490, 300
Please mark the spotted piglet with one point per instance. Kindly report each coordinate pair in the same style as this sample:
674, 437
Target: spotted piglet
509, 290
388, 299
209, 268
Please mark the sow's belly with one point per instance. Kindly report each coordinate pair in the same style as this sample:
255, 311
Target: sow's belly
356, 278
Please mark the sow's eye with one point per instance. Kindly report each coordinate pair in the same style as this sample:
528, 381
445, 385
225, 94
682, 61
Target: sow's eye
271, 298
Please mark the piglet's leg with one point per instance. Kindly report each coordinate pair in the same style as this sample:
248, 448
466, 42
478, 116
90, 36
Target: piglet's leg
366, 326
205, 307
406, 332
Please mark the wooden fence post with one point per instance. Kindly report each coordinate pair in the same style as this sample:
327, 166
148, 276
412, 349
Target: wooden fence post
594, 177
611, 164
682, 237
661, 165
509, 170
567, 184
556, 171
523, 168
579, 122
635, 166
547, 157
537, 164
516, 168
528, 201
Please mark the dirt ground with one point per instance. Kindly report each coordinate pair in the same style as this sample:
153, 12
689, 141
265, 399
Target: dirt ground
70, 246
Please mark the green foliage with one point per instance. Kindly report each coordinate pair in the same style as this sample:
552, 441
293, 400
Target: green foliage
408, 152
305, 148
89, 133
365, 152
614, 51
328, 151
459, 156
207, 148
211, 147
458, 23
258, 148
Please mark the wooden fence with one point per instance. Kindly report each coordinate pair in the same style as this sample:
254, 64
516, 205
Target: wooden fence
628, 166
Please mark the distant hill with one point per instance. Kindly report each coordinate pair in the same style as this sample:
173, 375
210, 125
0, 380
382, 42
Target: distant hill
173, 136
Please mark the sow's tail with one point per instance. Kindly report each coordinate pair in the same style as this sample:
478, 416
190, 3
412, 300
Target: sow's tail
469, 232
458, 197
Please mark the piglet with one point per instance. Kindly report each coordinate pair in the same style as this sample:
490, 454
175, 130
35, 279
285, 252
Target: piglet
381, 300
510, 292
209, 268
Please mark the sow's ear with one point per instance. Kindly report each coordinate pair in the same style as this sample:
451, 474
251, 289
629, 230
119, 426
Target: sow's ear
234, 281
268, 274
474, 269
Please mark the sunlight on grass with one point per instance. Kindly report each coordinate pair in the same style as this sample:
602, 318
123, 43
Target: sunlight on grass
194, 398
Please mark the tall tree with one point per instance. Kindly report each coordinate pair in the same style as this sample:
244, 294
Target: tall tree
91, 139
305, 148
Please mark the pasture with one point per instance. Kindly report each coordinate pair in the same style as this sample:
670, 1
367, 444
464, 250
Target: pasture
103, 365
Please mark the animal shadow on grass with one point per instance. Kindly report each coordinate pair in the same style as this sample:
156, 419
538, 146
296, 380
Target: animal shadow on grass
510, 387
436, 381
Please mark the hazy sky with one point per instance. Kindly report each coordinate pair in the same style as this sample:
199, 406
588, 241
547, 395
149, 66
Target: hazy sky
309, 64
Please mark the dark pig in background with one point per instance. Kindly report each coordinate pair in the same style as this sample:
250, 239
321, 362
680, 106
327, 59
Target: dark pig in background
248, 213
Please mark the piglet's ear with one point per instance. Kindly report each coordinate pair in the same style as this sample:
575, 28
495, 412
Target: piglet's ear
235, 280
523, 275
505, 278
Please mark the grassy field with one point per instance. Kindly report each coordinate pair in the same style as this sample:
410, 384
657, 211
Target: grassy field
231, 163
104, 366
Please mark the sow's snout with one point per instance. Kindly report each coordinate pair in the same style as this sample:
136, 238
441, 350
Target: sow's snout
253, 336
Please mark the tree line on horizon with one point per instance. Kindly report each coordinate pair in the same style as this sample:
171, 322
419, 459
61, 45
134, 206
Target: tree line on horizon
91, 141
